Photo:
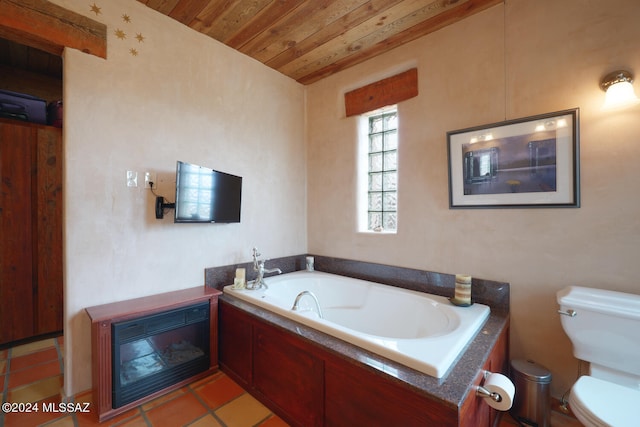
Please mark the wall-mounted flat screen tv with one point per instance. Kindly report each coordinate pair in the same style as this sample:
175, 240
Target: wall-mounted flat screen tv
206, 195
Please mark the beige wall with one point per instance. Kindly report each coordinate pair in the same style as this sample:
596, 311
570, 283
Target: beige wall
183, 97
550, 56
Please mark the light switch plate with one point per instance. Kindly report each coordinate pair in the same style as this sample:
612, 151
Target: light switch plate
132, 179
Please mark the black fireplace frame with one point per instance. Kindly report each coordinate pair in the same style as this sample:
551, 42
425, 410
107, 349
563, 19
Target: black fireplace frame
196, 315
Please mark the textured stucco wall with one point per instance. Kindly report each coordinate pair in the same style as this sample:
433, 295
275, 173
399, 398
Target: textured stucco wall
548, 57
183, 97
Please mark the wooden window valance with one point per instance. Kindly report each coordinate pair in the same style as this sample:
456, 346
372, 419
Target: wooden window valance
388, 91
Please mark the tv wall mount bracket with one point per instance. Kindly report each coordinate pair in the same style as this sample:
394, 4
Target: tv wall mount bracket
161, 206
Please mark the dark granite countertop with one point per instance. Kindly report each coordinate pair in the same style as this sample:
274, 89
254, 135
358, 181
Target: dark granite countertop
451, 390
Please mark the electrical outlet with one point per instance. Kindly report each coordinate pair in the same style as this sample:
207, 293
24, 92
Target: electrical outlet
132, 179
150, 177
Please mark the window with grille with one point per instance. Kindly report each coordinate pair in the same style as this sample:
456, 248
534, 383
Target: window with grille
382, 189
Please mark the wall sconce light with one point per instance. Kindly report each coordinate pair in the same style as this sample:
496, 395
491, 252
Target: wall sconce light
619, 90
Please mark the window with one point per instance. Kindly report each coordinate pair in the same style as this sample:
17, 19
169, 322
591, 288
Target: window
382, 171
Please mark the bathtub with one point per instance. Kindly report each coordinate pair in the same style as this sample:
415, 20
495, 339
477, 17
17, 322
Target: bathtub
422, 331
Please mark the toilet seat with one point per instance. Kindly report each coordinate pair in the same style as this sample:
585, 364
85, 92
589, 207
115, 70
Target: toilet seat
597, 402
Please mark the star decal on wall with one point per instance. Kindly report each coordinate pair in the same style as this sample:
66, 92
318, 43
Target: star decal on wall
117, 30
95, 9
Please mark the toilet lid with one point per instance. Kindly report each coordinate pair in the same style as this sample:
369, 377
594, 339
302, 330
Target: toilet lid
605, 403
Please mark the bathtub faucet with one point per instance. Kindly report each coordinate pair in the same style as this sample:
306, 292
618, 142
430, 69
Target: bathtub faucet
258, 266
296, 303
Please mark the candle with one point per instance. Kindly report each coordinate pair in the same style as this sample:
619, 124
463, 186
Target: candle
239, 281
463, 289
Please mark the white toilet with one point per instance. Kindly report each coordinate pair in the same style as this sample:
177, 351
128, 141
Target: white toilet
604, 328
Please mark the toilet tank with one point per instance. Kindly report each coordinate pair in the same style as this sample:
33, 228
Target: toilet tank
605, 330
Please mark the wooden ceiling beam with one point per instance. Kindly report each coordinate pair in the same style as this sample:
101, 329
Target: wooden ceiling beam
49, 27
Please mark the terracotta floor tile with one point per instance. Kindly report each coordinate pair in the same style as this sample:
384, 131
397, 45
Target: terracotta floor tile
217, 393
206, 380
32, 374
177, 412
138, 421
90, 419
245, 411
206, 421
21, 350
32, 359
37, 391
63, 422
3, 354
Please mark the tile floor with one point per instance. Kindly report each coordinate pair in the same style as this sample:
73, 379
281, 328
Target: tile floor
33, 373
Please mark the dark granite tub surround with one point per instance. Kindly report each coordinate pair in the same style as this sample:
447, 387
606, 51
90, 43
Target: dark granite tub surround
219, 277
488, 292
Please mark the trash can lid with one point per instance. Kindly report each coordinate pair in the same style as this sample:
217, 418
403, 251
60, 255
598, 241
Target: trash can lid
531, 371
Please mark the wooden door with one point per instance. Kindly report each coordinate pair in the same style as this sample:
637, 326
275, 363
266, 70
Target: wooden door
30, 230
48, 306
16, 242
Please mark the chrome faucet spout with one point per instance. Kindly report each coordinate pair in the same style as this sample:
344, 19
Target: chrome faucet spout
296, 303
258, 266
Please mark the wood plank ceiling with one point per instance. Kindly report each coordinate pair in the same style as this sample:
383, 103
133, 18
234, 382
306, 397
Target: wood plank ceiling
308, 40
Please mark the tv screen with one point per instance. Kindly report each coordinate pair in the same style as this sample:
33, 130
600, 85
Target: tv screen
206, 195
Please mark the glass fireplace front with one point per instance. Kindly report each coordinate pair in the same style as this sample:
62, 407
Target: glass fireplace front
154, 352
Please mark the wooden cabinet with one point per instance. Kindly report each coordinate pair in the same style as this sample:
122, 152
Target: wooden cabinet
30, 230
356, 397
273, 366
235, 333
288, 375
309, 386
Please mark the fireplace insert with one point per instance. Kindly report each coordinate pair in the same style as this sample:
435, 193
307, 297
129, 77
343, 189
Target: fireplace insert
156, 351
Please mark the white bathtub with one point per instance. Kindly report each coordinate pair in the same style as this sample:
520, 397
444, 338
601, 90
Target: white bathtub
425, 332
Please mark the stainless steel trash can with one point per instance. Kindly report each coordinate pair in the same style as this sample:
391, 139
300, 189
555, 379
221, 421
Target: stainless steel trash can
532, 402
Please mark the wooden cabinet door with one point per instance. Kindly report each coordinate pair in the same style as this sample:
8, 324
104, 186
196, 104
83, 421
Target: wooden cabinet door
288, 375
357, 397
234, 343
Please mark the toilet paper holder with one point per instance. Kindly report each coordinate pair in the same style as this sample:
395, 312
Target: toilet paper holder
483, 392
